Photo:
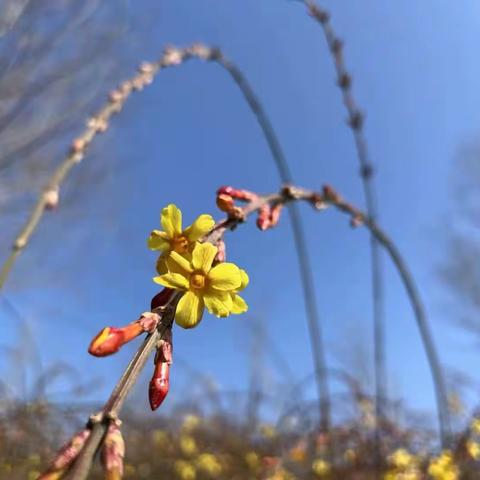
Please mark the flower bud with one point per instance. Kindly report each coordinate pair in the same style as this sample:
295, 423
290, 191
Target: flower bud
65, 456
160, 382
275, 214
113, 451
159, 385
225, 202
263, 219
161, 298
110, 339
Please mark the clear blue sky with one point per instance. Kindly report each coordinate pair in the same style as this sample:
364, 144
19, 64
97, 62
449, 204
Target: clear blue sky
415, 68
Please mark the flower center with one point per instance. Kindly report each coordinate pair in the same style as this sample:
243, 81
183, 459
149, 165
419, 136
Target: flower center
197, 281
180, 244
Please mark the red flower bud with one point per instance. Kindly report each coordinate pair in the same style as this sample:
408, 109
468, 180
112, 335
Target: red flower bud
160, 382
263, 219
275, 214
159, 385
110, 339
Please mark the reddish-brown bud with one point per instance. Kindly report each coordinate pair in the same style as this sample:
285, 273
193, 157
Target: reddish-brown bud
113, 452
243, 195
275, 214
263, 219
65, 456
161, 298
160, 382
159, 385
225, 202
110, 339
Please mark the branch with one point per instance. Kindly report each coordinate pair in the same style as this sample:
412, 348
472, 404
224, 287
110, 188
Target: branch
329, 197
356, 121
100, 122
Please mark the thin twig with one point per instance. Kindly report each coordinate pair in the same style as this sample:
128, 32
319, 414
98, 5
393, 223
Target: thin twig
330, 197
113, 406
99, 123
356, 121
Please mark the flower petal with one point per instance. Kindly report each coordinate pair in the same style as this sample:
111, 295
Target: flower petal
202, 256
161, 265
239, 305
157, 241
244, 279
171, 220
201, 226
189, 310
172, 280
218, 303
177, 263
225, 276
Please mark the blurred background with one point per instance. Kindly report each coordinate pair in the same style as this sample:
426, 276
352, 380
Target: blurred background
415, 76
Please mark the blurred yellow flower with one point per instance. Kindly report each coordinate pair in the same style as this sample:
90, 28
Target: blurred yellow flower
268, 431
475, 426
190, 422
401, 458
173, 238
443, 467
320, 467
209, 464
473, 449
252, 460
205, 286
188, 445
185, 470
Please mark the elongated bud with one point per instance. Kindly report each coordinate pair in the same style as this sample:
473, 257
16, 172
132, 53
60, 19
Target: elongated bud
263, 219
275, 214
243, 195
159, 385
113, 452
66, 456
160, 382
110, 339
161, 298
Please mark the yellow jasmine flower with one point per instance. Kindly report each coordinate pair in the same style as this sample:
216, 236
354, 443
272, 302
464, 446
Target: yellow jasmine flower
205, 286
238, 303
173, 238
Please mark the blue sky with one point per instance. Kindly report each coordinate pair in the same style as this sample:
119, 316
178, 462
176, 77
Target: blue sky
415, 72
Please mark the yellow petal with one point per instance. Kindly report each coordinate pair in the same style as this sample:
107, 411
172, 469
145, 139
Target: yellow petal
178, 263
225, 276
171, 220
239, 305
244, 279
202, 256
201, 226
218, 303
189, 310
157, 241
172, 280
162, 265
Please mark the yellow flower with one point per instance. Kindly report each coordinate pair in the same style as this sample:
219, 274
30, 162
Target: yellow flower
238, 303
205, 286
173, 238
320, 467
209, 464
473, 448
475, 426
